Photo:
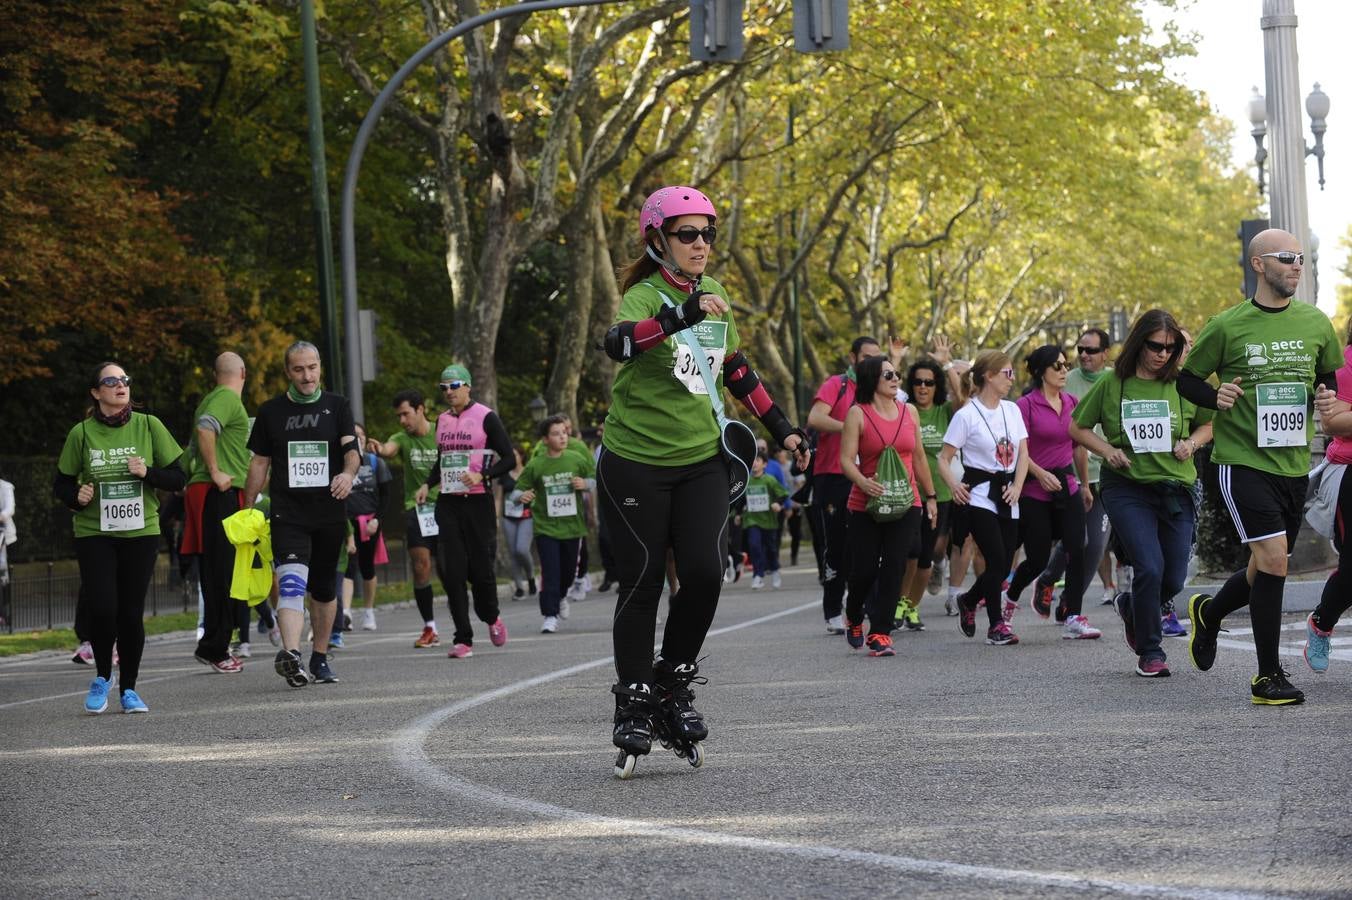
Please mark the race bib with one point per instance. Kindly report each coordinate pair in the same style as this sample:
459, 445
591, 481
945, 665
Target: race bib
121, 507
427, 520
513, 509
757, 500
307, 464
1281, 415
454, 463
712, 340
1146, 425
560, 500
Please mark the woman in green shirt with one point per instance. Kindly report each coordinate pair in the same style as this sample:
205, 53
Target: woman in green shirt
1149, 436
109, 468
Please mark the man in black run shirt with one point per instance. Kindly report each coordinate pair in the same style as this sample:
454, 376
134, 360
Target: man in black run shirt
307, 440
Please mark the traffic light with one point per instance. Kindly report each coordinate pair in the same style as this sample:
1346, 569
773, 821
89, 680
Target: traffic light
821, 25
716, 30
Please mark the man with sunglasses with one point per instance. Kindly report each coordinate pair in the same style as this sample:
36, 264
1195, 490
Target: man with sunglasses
472, 448
1269, 355
830, 487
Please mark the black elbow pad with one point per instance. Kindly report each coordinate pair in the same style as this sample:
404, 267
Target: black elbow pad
739, 377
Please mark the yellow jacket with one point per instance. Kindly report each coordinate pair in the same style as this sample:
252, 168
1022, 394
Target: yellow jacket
249, 531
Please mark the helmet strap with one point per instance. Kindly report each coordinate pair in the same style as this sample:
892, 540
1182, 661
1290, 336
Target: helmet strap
663, 259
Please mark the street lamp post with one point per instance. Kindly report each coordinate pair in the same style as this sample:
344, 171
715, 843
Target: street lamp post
538, 408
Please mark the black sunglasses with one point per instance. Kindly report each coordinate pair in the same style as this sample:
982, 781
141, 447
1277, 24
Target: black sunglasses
923, 382
688, 234
1089, 351
114, 380
1157, 347
1060, 366
889, 375
451, 385
1286, 257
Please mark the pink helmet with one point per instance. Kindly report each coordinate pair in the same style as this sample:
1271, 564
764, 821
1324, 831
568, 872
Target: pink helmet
672, 202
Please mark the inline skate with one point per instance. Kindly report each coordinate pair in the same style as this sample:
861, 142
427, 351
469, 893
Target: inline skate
678, 725
635, 708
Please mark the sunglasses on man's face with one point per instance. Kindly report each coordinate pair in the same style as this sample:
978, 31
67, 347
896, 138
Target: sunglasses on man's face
1157, 347
452, 385
923, 382
1286, 257
689, 233
114, 380
1089, 351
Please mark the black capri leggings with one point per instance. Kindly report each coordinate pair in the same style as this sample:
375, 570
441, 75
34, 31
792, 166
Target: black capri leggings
1041, 524
922, 551
997, 539
878, 551
648, 509
114, 575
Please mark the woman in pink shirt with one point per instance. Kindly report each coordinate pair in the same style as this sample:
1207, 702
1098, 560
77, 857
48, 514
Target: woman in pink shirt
1335, 412
1054, 501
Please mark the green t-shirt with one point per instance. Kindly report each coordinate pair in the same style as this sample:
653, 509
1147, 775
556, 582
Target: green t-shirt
660, 412
1156, 419
417, 455
123, 505
761, 491
1080, 383
933, 425
232, 435
1277, 354
557, 510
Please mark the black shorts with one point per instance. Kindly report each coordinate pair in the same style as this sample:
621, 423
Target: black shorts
1262, 505
413, 536
922, 550
316, 546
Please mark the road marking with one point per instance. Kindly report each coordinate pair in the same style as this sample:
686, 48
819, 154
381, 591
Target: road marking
407, 748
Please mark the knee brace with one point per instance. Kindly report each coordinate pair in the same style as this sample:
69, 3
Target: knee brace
291, 581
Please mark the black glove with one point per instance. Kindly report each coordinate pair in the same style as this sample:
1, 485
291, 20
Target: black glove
672, 319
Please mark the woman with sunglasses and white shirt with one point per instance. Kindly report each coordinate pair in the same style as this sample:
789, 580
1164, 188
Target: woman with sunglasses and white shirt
990, 432
661, 477
1057, 494
110, 467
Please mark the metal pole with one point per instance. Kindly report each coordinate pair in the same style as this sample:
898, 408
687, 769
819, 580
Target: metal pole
1289, 210
799, 401
347, 240
319, 189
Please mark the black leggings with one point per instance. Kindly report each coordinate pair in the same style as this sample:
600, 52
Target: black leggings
830, 493
997, 539
878, 553
114, 575
1041, 525
365, 555
649, 509
1337, 596
467, 545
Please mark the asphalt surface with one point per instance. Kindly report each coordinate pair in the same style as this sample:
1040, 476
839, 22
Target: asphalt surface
954, 769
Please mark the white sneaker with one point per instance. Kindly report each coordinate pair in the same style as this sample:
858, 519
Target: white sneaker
775, 580
729, 573
200, 631
369, 620
242, 650
275, 636
757, 583
586, 584
835, 625
575, 591
1078, 628
550, 625
1108, 595
563, 608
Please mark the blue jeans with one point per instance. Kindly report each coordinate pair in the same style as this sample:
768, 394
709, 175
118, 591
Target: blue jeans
1155, 523
764, 550
558, 562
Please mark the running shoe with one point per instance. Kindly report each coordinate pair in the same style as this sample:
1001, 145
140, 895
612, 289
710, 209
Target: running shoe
336, 641
757, 583
497, 632
835, 625
227, 666
1008, 609
951, 603
275, 636
855, 635
241, 650
1171, 627
368, 622
1152, 668
428, 638
880, 645
1122, 603
1062, 612
347, 620
910, 616
550, 625
132, 703
1077, 628
936, 577
1316, 646
1109, 596
1202, 643
776, 580
322, 672
606, 585
1000, 635
460, 651
530, 587
1042, 599
966, 615
84, 655
287, 664
1275, 690
564, 606
518, 593
728, 573
97, 699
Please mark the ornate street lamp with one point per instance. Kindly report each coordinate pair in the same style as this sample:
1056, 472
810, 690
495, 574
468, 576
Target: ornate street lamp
1258, 117
1316, 105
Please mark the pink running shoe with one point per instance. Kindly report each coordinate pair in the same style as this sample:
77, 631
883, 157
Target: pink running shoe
1008, 610
497, 632
460, 651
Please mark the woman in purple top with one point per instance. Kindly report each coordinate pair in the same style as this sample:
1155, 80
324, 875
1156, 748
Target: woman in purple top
1054, 500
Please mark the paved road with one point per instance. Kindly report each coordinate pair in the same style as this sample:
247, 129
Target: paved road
952, 770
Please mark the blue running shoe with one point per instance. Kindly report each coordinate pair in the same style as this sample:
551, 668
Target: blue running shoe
97, 701
1316, 646
336, 640
1171, 627
132, 703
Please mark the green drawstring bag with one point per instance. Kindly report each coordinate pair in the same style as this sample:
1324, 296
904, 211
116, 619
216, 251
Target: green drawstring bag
898, 496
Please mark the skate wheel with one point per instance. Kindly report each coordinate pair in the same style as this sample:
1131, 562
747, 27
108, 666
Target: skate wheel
624, 765
696, 757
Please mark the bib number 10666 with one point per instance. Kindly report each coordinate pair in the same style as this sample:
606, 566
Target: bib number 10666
121, 506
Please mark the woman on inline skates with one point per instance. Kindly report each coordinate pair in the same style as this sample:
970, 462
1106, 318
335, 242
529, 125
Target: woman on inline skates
665, 468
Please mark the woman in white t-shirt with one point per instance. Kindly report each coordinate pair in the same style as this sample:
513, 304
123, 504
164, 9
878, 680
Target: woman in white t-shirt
990, 432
